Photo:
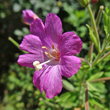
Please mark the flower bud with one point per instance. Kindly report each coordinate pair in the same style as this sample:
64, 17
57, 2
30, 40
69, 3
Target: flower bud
29, 16
95, 1
84, 3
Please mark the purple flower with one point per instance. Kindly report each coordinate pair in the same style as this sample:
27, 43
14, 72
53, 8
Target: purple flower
29, 16
51, 53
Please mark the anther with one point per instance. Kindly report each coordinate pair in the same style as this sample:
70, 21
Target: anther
46, 53
38, 66
36, 63
44, 47
49, 55
53, 47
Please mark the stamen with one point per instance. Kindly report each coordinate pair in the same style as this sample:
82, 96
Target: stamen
38, 66
44, 47
49, 55
46, 53
53, 47
46, 62
36, 63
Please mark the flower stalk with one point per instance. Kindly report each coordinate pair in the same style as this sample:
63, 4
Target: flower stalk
94, 26
86, 97
99, 15
100, 53
84, 3
108, 48
15, 43
100, 79
107, 54
91, 43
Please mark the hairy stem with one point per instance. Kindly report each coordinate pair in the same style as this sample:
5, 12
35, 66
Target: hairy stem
94, 26
103, 57
99, 16
100, 79
91, 51
15, 43
100, 53
86, 97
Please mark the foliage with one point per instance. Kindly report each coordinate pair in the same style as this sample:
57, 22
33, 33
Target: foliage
17, 90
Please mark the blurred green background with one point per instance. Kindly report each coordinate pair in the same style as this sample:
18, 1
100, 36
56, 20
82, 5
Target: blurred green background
16, 86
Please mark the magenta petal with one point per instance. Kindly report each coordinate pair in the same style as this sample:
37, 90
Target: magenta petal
53, 82
37, 28
39, 78
28, 59
29, 16
70, 65
50, 80
53, 27
31, 44
71, 44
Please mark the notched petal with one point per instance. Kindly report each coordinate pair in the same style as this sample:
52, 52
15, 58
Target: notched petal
49, 80
28, 59
31, 44
37, 28
53, 82
71, 44
53, 27
70, 65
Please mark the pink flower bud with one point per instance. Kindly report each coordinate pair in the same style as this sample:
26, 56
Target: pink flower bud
29, 16
95, 1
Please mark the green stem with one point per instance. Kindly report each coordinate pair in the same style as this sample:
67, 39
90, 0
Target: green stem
84, 60
91, 44
94, 26
101, 79
82, 82
100, 53
99, 16
108, 48
91, 51
103, 57
50, 104
98, 56
15, 43
86, 97
83, 77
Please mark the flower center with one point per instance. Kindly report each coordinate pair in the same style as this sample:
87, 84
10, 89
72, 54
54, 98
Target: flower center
52, 54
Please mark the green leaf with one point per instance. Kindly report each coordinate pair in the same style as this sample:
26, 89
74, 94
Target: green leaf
67, 85
106, 21
91, 87
92, 37
64, 97
95, 76
83, 3
95, 103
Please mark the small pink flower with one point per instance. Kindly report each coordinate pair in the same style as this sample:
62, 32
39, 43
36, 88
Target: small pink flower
29, 16
51, 53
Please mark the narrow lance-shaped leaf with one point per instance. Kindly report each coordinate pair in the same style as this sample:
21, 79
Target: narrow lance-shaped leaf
95, 76
67, 85
106, 21
91, 87
92, 37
